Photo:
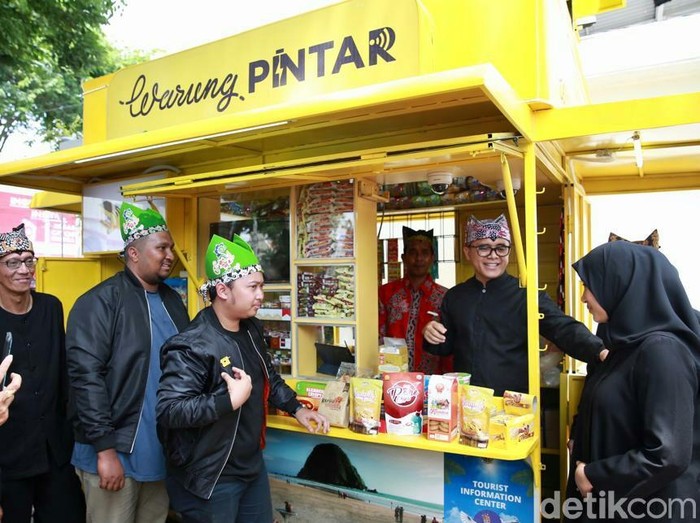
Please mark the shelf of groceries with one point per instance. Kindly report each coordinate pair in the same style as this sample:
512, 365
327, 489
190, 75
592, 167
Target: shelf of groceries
439, 412
520, 450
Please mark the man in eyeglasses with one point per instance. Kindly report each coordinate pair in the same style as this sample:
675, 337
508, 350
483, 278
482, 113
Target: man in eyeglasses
114, 334
36, 441
483, 321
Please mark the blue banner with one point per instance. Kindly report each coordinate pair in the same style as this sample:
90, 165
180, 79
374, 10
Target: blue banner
488, 491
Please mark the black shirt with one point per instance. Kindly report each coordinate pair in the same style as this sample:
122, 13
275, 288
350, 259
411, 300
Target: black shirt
38, 423
487, 332
245, 461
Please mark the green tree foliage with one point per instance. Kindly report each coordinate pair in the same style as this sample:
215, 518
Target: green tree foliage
48, 48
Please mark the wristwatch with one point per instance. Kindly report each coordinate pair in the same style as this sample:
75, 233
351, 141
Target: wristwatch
297, 409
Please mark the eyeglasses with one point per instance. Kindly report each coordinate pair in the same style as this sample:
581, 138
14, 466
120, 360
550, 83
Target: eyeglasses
484, 251
13, 265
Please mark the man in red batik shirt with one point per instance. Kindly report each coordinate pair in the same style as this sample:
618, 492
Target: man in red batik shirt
404, 304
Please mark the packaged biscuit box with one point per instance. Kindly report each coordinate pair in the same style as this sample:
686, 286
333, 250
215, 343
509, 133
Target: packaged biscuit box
518, 403
463, 378
506, 430
403, 402
442, 408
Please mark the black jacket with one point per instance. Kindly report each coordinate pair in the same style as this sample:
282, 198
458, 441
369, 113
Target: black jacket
487, 332
196, 422
638, 423
108, 343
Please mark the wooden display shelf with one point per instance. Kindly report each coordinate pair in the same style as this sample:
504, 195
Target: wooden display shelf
322, 321
325, 262
520, 451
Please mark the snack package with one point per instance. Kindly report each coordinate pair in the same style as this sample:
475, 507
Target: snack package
442, 408
506, 430
475, 412
309, 394
335, 403
518, 403
393, 355
403, 402
365, 405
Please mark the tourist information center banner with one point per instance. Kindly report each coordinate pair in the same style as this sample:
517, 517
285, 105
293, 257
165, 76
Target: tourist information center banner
488, 491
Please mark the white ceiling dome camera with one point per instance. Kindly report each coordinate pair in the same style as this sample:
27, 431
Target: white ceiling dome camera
440, 180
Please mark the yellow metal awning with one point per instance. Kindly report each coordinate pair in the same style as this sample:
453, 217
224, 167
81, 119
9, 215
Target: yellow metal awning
56, 201
459, 102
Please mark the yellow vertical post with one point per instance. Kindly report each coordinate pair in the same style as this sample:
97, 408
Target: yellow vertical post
514, 221
183, 234
533, 313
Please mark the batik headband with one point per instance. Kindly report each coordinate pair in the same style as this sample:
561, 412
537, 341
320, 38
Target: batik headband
487, 229
15, 241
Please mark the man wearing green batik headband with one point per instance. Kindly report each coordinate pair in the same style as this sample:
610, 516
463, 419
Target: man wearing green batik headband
113, 341
212, 399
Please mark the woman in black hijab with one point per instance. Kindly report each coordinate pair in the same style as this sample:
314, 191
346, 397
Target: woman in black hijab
638, 427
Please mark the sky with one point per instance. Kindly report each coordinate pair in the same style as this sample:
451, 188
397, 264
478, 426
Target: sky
175, 25
635, 216
170, 26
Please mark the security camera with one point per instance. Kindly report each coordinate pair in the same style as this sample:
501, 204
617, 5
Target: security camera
439, 181
501, 188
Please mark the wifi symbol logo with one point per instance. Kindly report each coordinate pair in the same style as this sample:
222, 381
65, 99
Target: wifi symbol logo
380, 41
384, 38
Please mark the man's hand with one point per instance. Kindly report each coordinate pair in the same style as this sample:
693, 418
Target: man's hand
434, 332
239, 386
110, 470
603, 354
7, 394
584, 486
312, 420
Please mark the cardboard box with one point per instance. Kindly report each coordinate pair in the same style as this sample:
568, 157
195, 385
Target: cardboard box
507, 430
442, 408
519, 403
393, 357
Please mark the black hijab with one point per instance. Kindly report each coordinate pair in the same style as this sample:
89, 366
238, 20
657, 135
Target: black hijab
642, 294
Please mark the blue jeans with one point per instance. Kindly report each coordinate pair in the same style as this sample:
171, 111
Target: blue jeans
231, 502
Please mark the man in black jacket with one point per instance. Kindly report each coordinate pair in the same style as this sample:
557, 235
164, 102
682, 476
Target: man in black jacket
483, 321
213, 394
114, 334
36, 441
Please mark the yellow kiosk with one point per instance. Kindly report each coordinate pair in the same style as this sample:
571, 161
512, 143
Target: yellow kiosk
362, 95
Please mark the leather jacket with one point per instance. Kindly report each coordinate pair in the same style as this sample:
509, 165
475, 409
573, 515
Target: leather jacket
196, 422
108, 345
